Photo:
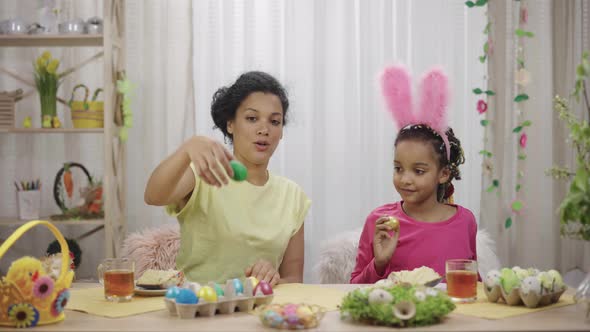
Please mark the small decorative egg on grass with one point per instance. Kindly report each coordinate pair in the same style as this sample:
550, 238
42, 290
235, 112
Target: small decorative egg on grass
186, 296
240, 171
172, 292
380, 296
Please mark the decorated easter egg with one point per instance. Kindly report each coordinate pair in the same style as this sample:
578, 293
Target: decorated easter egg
546, 280
218, 289
385, 283
380, 296
533, 272
304, 311
557, 279
263, 288
492, 278
238, 286
431, 291
194, 286
393, 223
273, 319
186, 296
420, 296
530, 285
520, 273
240, 171
207, 294
254, 281
508, 280
172, 292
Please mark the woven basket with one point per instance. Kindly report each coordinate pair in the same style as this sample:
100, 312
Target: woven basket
87, 114
28, 295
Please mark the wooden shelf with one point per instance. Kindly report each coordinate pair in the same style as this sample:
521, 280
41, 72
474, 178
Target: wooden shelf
53, 130
51, 40
14, 221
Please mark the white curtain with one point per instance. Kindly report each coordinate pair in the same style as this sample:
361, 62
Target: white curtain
562, 32
339, 143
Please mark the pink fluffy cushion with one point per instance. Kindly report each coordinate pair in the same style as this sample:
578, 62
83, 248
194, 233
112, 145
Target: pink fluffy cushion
153, 248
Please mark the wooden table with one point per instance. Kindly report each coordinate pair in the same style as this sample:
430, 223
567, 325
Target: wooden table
568, 318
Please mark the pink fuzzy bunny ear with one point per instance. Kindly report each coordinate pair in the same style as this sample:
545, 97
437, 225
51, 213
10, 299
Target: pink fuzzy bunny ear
434, 98
397, 90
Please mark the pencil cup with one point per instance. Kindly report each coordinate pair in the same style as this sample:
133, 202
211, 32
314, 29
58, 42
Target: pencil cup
29, 203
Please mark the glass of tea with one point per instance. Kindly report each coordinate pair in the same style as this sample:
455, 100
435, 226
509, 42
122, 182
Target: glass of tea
117, 277
461, 275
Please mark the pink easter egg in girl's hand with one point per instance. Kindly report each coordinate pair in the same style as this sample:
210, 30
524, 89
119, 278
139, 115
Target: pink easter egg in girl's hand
263, 288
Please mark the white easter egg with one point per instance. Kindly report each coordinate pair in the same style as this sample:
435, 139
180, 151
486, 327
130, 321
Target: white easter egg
385, 283
379, 296
530, 285
492, 278
420, 296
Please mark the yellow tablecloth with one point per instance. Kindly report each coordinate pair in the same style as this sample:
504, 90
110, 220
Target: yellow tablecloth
329, 298
483, 308
92, 301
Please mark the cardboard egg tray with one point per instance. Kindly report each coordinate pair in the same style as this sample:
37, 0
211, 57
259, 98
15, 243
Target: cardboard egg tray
227, 304
517, 297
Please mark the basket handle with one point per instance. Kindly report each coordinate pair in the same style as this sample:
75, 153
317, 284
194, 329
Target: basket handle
86, 91
96, 92
65, 251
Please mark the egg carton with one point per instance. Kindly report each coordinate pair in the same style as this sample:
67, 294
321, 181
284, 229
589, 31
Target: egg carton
518, 297
229, 303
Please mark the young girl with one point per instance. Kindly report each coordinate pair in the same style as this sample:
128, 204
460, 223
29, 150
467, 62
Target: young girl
427, 158
231, 229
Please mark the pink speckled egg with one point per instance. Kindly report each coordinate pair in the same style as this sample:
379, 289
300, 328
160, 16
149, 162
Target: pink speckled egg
263, 288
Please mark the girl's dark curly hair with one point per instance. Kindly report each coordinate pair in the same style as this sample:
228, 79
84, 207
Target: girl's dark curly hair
426, 134
226, 100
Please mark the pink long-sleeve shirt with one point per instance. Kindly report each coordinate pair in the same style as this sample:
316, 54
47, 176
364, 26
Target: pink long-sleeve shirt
419, 243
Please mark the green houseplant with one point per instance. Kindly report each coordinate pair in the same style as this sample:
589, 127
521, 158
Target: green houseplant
574, 211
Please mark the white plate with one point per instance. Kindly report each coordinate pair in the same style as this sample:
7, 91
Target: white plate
149, 292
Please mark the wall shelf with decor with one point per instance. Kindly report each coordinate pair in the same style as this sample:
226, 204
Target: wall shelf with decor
112, 44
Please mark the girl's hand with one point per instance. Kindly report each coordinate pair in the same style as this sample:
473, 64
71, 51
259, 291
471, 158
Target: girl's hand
209, 156
263, 270
384, 244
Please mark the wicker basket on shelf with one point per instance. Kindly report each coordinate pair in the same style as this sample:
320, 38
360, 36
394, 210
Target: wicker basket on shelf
87, 114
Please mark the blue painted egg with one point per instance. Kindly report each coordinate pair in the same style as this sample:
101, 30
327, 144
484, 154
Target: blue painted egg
238, 286
186, 296
172, 292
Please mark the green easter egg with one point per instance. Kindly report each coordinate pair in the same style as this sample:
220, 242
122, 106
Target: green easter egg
240, 171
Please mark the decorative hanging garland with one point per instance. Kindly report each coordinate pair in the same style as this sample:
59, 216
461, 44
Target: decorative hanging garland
522, 78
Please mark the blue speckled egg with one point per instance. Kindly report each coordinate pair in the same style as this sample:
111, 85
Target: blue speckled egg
172, 292
186, 296
238, 286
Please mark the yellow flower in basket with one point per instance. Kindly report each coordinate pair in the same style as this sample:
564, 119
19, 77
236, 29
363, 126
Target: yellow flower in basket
29, 296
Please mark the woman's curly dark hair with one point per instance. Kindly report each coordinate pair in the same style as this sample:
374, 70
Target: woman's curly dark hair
426, 134
226, 100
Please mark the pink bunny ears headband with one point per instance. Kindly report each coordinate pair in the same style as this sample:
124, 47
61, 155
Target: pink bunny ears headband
432, 108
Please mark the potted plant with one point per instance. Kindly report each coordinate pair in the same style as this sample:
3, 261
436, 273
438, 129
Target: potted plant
47, 81
574, 211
